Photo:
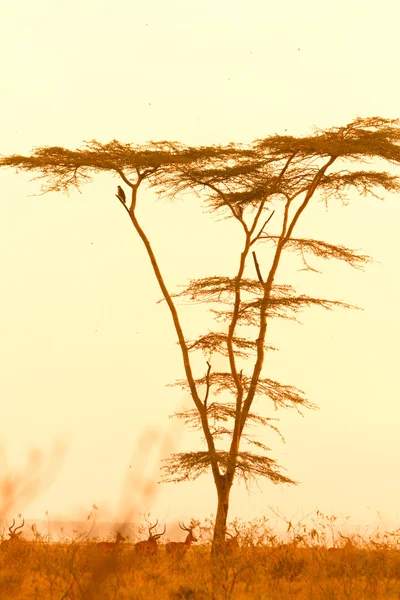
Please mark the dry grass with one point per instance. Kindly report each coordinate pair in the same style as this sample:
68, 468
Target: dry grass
263, 568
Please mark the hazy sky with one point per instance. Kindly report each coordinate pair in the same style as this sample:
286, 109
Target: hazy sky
85, 350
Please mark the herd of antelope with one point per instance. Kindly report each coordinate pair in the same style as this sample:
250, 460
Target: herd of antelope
145, 547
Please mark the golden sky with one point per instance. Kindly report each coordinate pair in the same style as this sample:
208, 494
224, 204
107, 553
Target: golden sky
85, 350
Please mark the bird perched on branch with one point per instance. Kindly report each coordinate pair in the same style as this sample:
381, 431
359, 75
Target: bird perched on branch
121, 194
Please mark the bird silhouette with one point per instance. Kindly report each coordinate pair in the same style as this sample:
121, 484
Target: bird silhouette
121, 194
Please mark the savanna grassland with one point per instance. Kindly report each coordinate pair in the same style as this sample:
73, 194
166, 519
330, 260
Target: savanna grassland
261, 567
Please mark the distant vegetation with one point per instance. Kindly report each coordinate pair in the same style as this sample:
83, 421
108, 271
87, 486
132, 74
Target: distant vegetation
317, 562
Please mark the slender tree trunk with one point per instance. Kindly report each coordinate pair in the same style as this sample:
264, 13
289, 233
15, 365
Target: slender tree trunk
223, 492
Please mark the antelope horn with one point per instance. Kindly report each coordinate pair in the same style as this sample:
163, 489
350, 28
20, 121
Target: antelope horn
21, 526
158, 535
153, 527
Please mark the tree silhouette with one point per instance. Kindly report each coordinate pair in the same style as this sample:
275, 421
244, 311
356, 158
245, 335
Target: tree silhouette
266, 188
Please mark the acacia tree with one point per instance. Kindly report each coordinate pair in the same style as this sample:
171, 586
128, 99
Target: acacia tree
266, 188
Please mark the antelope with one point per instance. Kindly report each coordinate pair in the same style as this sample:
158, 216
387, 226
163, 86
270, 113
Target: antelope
180, 548
232, 544
111, 545
14, 536
150, 545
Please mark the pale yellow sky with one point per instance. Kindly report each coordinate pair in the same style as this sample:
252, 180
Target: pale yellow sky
79, 353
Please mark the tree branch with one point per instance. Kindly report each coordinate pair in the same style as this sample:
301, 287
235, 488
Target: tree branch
257, 237
207, 385
260, 279
286, 233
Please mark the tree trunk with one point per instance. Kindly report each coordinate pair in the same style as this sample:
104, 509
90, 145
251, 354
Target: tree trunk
223, 491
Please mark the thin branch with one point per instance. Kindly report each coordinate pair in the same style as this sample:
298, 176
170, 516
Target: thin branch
237, 214
307, 266
207, 385
257, 237
260, 279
